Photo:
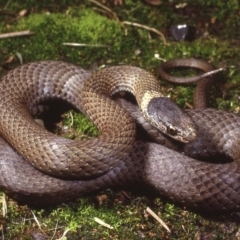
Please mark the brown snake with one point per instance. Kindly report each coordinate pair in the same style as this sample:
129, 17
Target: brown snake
29, 85
191, 183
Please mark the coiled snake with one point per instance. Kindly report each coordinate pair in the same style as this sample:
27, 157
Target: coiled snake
127, 162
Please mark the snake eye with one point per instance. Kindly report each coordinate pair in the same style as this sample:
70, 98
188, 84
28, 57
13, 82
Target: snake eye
172, 131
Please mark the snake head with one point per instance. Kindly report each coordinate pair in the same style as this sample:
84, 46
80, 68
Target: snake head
168, 118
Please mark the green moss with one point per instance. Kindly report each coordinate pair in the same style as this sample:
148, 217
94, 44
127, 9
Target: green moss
51, 31
81, 126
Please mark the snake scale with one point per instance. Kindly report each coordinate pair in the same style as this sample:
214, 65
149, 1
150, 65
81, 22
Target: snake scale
191, 183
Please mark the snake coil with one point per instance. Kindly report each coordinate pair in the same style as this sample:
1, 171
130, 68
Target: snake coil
191, 183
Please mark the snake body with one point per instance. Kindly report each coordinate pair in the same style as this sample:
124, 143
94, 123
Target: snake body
205, 80
191, 183
27, 86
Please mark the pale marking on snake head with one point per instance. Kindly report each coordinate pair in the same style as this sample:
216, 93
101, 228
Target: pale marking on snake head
147, 97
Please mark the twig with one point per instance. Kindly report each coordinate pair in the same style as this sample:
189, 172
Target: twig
15, 34
4, 205
20, 58
71, 116
83, 45
103, 223
36, 220
147, 28
188, 105
158, 219
38, 223
55, 230
64, 234
105, 8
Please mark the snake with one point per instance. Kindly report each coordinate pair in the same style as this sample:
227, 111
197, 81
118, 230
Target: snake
74, 159
207, 78
190, 183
